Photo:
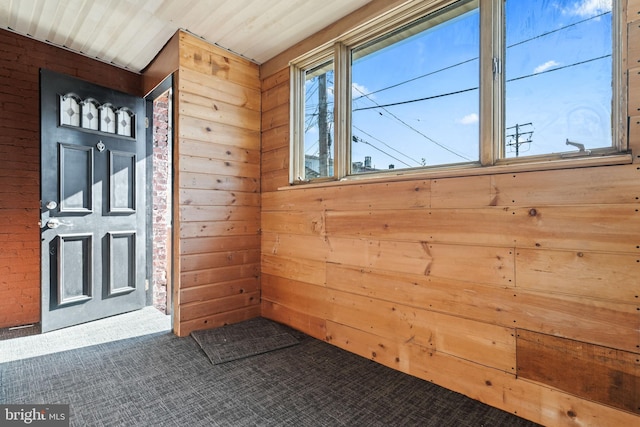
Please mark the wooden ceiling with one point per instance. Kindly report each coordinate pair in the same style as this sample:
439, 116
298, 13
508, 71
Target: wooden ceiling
129, 33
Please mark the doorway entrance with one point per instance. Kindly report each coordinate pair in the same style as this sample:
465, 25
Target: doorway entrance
160, 102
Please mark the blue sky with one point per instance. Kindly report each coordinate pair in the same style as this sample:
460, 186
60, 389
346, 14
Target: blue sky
561, 100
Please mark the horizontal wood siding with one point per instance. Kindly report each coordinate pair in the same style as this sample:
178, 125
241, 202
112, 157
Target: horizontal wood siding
20, 61
614, 375
436, 277
633, 72
217, 160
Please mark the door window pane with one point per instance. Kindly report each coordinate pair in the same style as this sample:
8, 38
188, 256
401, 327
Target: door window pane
558, 76
415, 98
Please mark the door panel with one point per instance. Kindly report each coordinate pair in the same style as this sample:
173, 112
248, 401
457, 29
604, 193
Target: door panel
74, 281
76, 179
93, 206
122, 189
122, 262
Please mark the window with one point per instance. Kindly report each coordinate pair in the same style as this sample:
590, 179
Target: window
318, 122
558, 68
473, 83
415, 94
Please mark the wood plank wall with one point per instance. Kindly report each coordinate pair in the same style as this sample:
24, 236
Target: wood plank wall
20, 61
494, 286
216, 187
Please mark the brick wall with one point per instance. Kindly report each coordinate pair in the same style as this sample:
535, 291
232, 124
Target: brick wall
20, 61
161, 200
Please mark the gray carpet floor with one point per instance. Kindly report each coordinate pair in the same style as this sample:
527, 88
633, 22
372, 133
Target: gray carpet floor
162, 380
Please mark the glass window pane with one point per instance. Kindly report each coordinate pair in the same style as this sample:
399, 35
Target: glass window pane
107, 118
318, 122
415, 98
90, 114
70, 110
558, 76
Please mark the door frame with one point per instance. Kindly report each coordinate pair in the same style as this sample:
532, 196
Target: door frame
161, 88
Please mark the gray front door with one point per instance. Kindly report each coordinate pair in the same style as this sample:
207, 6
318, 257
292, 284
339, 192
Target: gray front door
92, 201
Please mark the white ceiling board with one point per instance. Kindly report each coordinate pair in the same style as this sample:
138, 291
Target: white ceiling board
130, 33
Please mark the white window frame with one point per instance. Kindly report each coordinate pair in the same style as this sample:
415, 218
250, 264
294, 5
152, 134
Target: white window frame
492, 92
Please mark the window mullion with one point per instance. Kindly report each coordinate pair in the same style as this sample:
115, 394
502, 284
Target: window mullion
491, 81
619, 83
342, 111
296, 171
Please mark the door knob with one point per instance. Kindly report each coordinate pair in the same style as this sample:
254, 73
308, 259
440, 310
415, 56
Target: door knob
55, 223
51, 205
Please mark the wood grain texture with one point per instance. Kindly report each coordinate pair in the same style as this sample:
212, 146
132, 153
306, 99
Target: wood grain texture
196, 148
198, 310
579, 187
633, 107
271, 181
313, 326
596, 275
633, 10
463, 192
215, 320
275, 138
486, 344
200, 56
614, 375
298, 269
542, 404
213, 181
217, 161
590, 320
219, 259
634, 138
633, 48
194, 128
599, 227
219, 290
276, 160
305, 297
202, 84
276, 96
413, 194
484, 303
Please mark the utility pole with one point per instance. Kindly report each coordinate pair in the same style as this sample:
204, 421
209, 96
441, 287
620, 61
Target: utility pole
323, 143
515, 141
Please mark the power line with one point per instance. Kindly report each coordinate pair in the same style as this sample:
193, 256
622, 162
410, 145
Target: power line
358, 139
412, 128
559, 29
559, 68
418, 77
393, 104
474, 59
476, 88
387, 145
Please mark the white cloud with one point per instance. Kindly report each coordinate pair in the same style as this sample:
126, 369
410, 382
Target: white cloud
469, 119
545, 66
358, 90
587, 8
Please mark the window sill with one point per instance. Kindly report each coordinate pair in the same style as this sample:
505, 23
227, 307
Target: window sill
469, 170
